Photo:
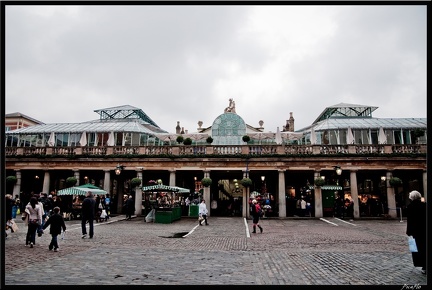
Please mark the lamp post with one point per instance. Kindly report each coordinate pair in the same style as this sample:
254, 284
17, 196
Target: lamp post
118, 169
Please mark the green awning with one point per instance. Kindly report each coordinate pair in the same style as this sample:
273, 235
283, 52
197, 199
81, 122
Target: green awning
328, 187
163, 188
82, 190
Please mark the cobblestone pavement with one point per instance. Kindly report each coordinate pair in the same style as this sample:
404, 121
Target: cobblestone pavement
288, 252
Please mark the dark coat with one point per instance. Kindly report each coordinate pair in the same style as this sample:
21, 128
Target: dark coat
416, 227
9, 204
88, 208
57, 223
130, 205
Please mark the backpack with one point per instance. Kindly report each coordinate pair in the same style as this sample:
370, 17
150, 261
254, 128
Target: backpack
258, 210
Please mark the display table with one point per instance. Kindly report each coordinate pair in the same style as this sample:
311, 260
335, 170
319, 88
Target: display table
166, 215
193, 210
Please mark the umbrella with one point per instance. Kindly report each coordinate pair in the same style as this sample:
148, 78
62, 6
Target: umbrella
83, 140
164, 188
278, 138
382, 139
350, 136
51, 141
82, 190
110, 141
313, 138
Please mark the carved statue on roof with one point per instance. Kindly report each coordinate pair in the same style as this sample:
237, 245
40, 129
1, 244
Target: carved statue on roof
231, 107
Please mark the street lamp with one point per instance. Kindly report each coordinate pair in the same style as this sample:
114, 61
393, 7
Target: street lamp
119, 168
383, 178
338, 170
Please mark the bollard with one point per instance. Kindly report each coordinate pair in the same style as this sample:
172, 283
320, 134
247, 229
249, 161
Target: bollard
400, 212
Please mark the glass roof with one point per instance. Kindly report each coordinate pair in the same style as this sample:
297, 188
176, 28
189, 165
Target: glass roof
118, 125
368, 123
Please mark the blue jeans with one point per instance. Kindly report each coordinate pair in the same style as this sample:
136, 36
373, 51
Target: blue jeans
53, 243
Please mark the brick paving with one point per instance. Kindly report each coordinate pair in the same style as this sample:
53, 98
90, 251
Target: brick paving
288, 252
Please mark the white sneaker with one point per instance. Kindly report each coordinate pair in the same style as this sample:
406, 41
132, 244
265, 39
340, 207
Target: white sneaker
83, 236
31, 245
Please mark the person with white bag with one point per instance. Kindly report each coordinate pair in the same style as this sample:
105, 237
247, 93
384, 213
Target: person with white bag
416, 227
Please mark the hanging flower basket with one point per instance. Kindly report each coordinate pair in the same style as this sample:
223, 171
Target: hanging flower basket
179, 139
246, 182
209, 140
319, 182
395, 181
206, 181
11, 179
71, 181
135, 182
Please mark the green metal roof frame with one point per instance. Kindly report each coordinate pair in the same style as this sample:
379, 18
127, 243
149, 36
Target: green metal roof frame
125, 112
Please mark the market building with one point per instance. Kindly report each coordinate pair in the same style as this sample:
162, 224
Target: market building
354, 155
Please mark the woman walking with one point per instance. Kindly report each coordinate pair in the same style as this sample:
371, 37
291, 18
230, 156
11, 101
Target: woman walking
416, 227
33, 219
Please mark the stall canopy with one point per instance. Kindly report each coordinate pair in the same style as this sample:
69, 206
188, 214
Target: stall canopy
82, 190
164, 188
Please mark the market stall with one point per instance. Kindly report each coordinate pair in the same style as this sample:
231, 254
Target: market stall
167, 208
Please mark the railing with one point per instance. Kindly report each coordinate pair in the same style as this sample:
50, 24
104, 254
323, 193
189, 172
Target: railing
202, 150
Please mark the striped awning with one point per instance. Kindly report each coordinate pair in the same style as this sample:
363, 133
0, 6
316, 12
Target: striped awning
81, 190
161, 187
328, 187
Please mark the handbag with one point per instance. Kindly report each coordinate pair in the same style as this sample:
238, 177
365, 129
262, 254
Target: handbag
35, 222
412, 245
200, 218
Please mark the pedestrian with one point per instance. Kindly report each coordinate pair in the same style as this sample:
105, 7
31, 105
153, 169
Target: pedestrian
256, 209
416, 227
56, 223
202, 211
130, 207
88, 214
33, 219
9, 208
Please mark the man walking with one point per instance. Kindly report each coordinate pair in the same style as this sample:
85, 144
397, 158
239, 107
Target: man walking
88, 214
203, 212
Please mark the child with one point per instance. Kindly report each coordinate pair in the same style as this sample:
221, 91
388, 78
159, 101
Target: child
57, 223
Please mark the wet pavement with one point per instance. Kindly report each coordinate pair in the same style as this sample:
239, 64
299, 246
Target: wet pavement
290, 251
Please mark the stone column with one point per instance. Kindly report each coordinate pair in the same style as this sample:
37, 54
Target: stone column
281, 196
77, 176
391, 198
107, 180
206, 192
46, 182
354, 193
245, 199
318, 198
17, 186
172, 178
138, 194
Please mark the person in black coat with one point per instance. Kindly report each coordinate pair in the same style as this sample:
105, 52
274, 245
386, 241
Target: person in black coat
130, 207
56, 223
88, 214
416, 227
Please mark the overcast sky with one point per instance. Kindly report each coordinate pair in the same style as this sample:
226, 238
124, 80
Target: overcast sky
183, 63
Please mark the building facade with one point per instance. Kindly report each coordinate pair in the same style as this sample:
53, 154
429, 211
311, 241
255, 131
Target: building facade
283, 166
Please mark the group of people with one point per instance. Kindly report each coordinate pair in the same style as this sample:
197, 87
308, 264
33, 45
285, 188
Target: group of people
38, 214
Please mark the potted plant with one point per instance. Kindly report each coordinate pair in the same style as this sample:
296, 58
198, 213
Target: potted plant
319, 181
246, 138
71, 181
179, 139
395, 181
187, 141
11, 179
135, 182
246, 182
209, 140
206, 181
